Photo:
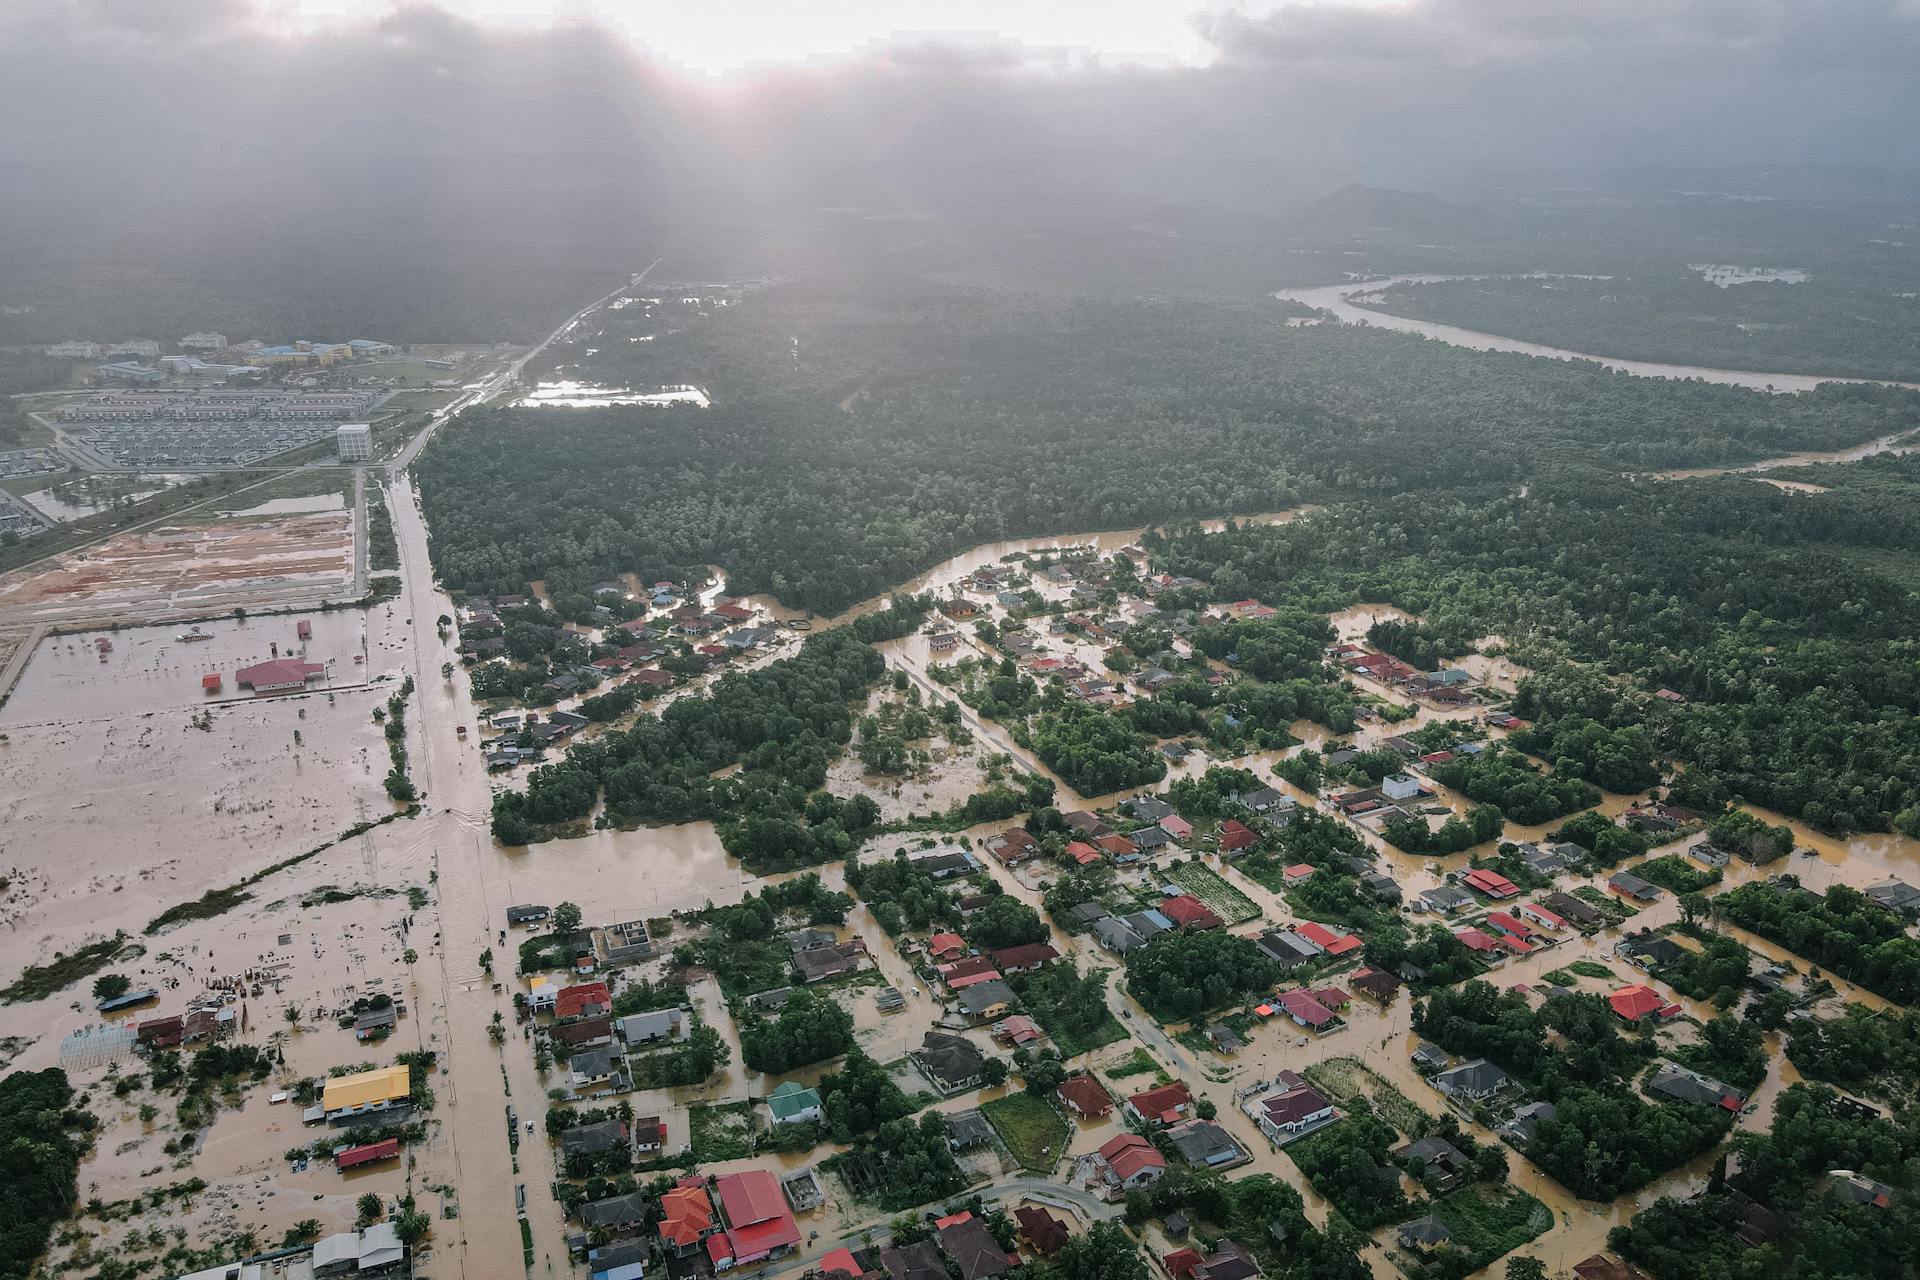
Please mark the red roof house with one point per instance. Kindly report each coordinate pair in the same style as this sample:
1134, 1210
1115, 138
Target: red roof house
1134, 1161
686, 1215
1305, 1010
279, 675
1236, 835
1640, 1002
1188, 912
1166, 1104
1082, 852
1298, 872
759, 1224
1085, 1096
1118, 846
1181, 1262
1478, 940
1024, 958
946, 946
587, 998
1176, 826
1491, 883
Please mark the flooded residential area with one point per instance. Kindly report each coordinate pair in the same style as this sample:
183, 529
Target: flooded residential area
879, 643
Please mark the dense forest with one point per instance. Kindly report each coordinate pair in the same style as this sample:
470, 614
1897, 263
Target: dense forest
1852, 327
1604, 1138
41, 1140
1812, 1232
970, 417
781, 723
1797, 662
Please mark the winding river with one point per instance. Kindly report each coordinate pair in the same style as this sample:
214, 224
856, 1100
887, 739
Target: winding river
1345, 302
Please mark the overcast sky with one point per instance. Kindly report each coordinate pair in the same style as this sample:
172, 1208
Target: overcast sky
235, 116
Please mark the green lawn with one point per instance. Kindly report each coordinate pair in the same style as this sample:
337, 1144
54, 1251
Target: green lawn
1139, 1062
722, 1132
1204, 883
1034, 1132
1591, 969
1488, 1223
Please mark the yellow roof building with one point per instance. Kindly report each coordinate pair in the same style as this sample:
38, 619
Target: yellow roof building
367, 1088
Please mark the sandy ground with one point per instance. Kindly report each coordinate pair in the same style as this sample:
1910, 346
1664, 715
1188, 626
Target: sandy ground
184, 567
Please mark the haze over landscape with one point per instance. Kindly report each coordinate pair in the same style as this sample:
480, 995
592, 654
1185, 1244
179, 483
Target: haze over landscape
936, 641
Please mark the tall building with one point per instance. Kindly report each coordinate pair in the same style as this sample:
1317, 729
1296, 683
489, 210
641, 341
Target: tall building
355, 441
204, 342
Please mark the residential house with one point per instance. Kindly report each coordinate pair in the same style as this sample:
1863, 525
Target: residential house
1471, 1081
1581, 914
793, 1103
1540, 915
1148, 808
1444, 899
1637, 1003
759, 1226
1286, 948
1527, 1119
584, 1000
1434, 1161
944, 866
985, 1001
1117, 935
1601, 1267
1648, 950
1376, 984
1013, 846
1297, 1108
591, 1068
1625, 882
1044, 1233
951, 1063
975, 1253
1015, 1030
1188, 912
946, 946
1236, 836
1306, 1011
592, 1139
1205, 1145
820, 964
1691, 1087
367, 1095
1086, 1097
1423, 1233
615, 1213
1130, 1161
1025, 958
1491, 883
655, 1026
1430, 1056
1894, 895
967, 1129
587, 1033
1163, 1105
917, 1261
686, 1218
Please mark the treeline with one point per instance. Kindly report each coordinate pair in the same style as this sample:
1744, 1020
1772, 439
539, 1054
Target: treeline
1604, 1139
1800, 666
42, 1137
981, 418
782, 724
1857, 327
1845, 932
1797, 1172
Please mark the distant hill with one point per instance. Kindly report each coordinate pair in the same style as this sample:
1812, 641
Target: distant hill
1363, 211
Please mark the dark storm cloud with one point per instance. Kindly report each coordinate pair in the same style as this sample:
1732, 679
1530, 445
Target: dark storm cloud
206, 121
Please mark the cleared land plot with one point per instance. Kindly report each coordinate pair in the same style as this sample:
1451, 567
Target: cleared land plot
1204, 883
1034, 1132
182, 569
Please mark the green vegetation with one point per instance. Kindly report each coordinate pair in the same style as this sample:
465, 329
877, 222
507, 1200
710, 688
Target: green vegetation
1591, 969
38, 981
901, 895
1092, 751
1844, 932
1513, 785
1204, 883
42, 1136
1070, 1006
1862, 1050
999, 418
1033, 1131
1342, 1161
903, 1164
1671, 871
1834, 323
861, 1096
1605, 1139
1821, 1235
1795, 661
1179, 976
1717, 972
1487, 1224
810, 1028
720, 1131
1139, 1062
781, 723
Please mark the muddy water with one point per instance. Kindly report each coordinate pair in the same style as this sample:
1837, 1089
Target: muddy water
1349, 304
